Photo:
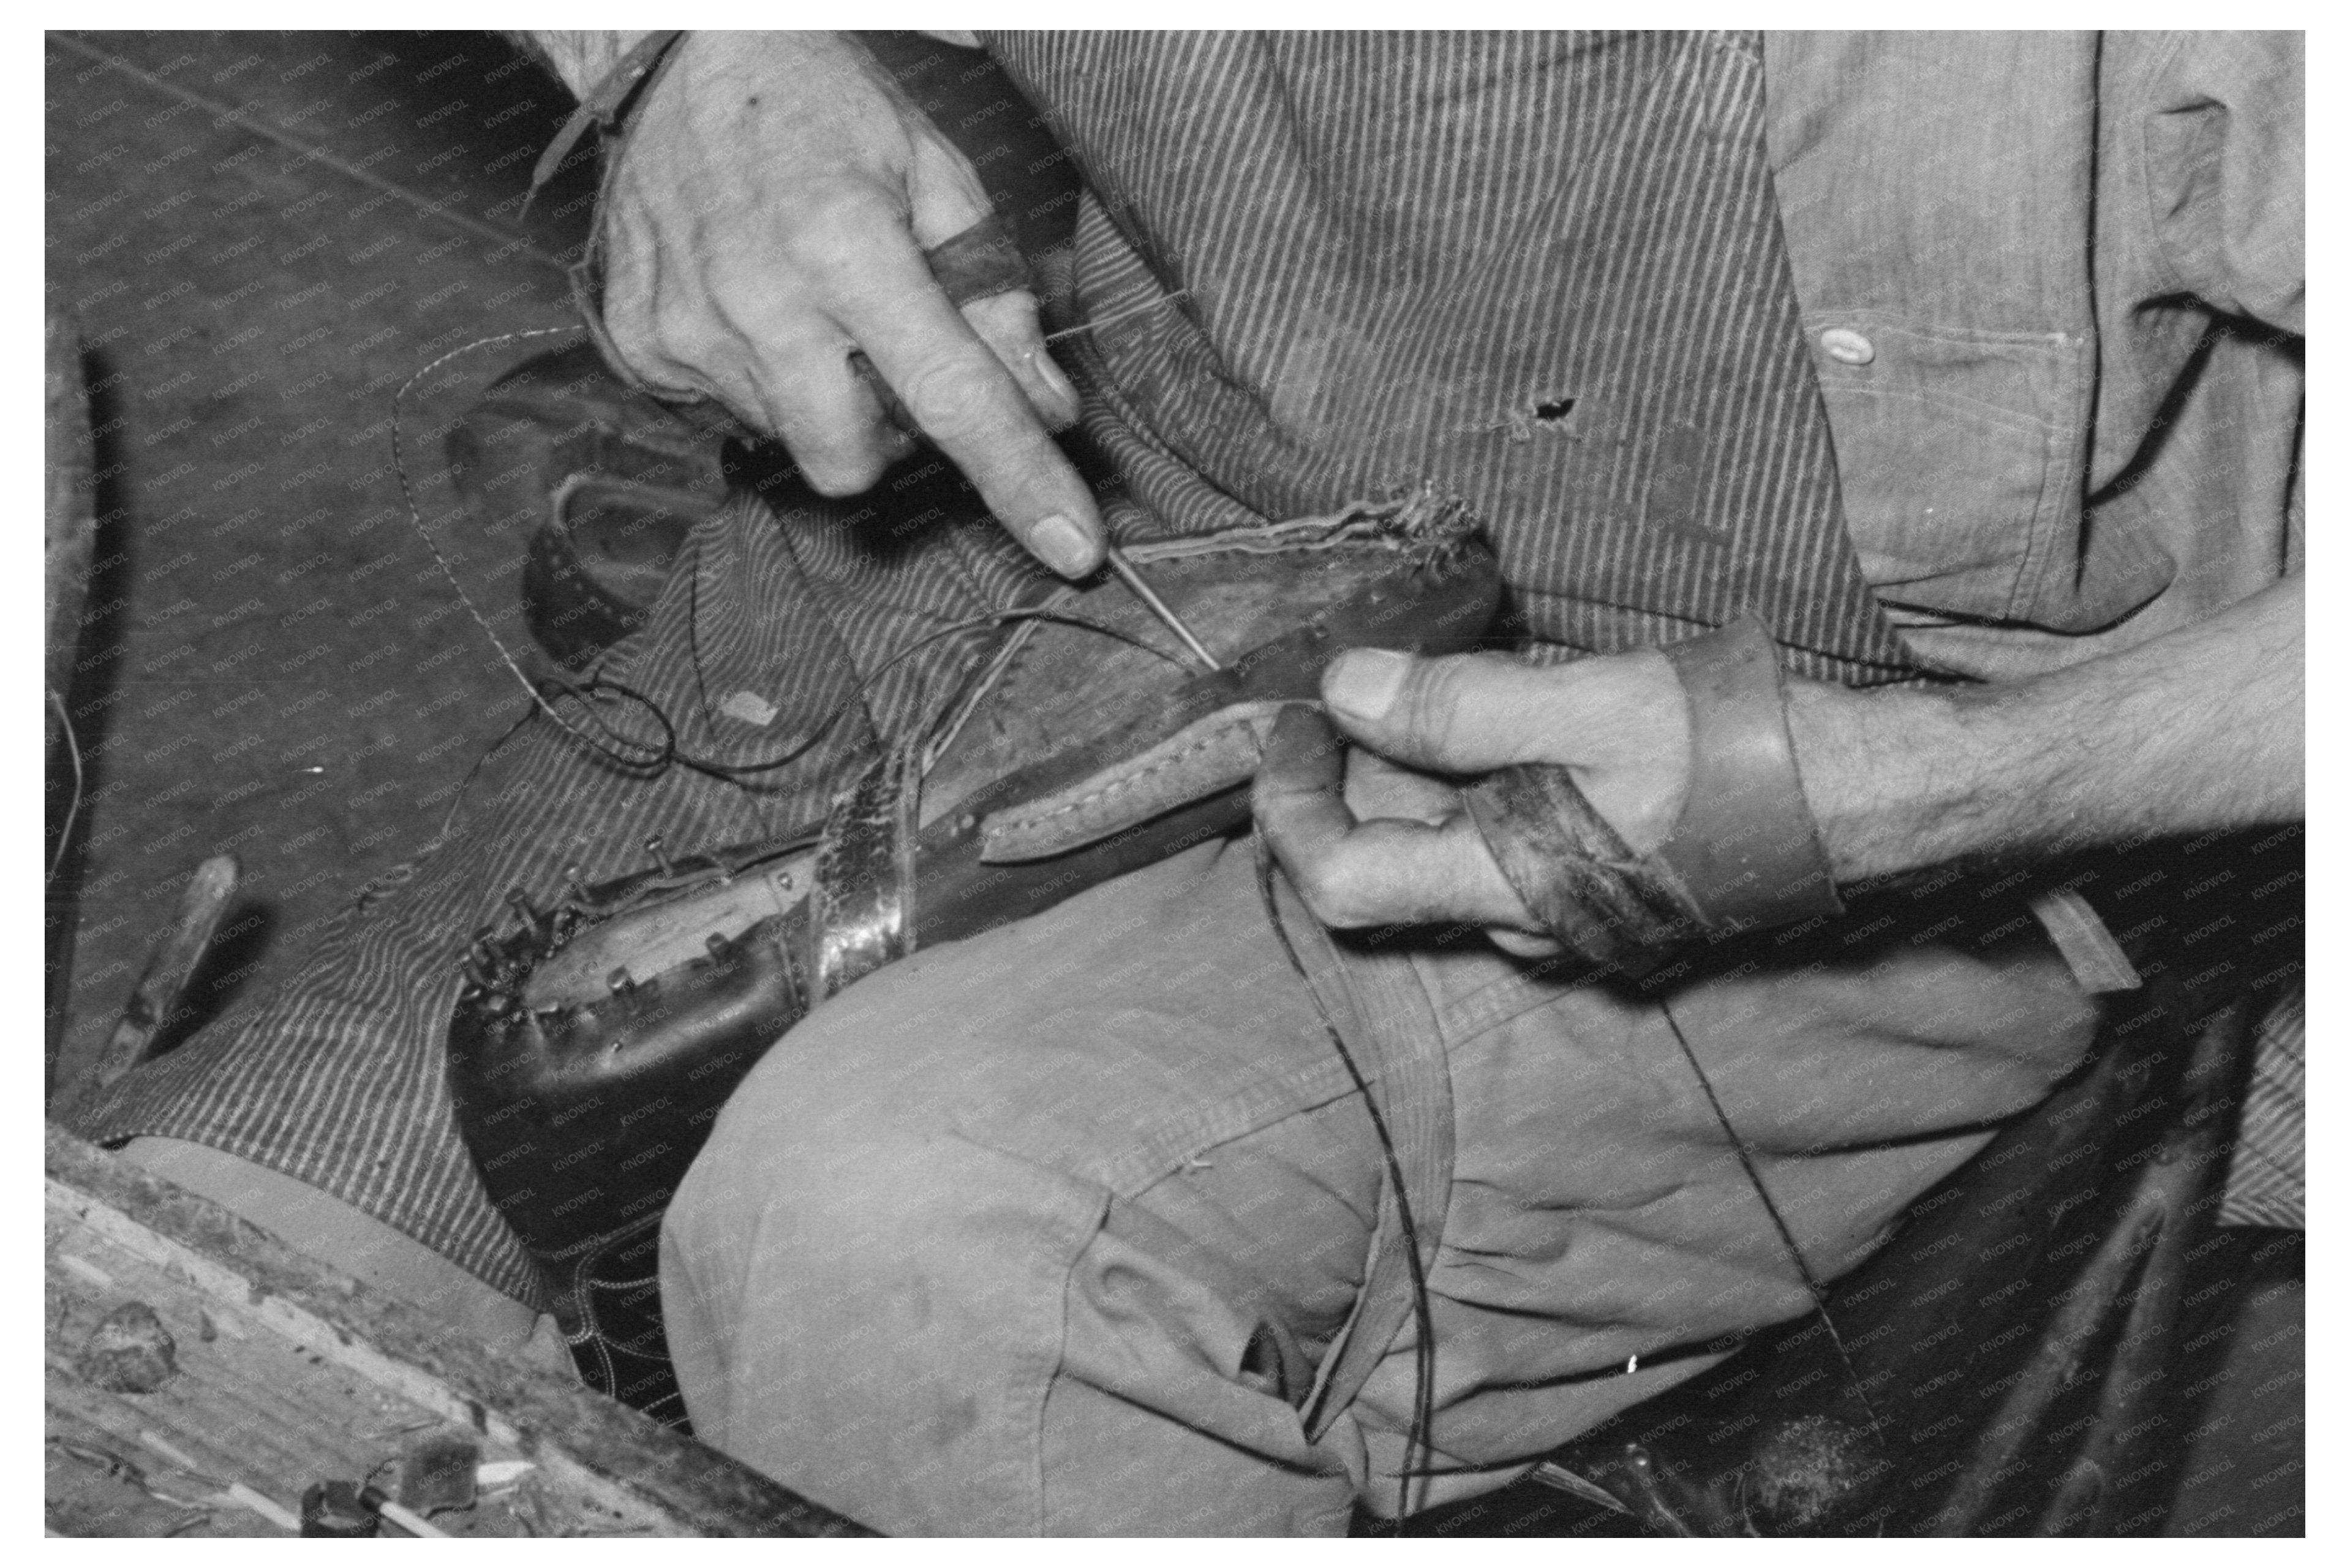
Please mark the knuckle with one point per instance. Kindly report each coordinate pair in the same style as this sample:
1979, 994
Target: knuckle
835, 239
630, 311
1007, 321
633, 321
838, 470
1331, 892
951, 399
758, 300
1317, 899
819, 259
1431, 702
681, 331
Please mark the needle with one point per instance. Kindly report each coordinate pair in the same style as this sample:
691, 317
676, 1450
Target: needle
904, 420
1158, 606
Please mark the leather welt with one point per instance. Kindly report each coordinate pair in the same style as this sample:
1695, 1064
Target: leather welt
1205, 757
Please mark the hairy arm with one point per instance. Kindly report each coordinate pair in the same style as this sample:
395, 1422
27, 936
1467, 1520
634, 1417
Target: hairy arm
2195, 730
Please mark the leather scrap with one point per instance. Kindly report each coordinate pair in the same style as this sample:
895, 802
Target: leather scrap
1603, 901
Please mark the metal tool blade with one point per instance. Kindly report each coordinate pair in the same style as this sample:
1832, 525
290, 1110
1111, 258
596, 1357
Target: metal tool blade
1157, 606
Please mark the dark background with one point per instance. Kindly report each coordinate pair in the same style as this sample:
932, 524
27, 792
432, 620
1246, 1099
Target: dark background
260, 237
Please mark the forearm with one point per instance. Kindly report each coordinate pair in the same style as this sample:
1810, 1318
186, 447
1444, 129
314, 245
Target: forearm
580, 60
2196, 731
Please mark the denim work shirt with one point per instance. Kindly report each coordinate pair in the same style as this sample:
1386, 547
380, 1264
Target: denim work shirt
2053, 287
2053, 283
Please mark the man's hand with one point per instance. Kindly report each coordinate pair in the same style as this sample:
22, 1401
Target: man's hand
2197, 730
1368, 842
768, 218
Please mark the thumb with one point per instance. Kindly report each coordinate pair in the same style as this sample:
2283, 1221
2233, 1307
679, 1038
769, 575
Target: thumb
1620, 720
1465, 714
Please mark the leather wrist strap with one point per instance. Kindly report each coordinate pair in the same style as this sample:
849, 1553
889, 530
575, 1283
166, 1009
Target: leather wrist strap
603, 105
1744, 853
1746, 846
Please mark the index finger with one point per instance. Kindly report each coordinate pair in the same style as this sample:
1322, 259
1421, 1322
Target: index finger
963, 398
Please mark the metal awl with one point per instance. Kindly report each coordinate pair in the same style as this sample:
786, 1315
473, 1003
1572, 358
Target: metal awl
1158, 606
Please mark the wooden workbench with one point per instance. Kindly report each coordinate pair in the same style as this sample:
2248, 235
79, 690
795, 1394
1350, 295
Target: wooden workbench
290, 1372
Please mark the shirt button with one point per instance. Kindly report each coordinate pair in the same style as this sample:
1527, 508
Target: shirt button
1846, 347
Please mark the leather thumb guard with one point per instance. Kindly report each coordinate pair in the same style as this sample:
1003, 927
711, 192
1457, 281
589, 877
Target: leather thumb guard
1744, 853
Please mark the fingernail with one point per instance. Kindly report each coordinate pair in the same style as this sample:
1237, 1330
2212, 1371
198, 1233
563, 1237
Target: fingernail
1064, 546
1364, 683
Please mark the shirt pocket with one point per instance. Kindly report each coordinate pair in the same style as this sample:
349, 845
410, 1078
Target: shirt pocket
1961, 455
